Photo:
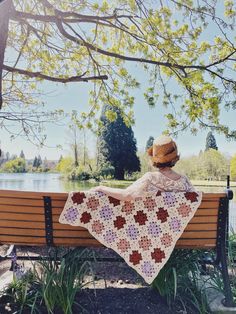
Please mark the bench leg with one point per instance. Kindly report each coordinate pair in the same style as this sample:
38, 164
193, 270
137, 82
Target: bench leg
225, 275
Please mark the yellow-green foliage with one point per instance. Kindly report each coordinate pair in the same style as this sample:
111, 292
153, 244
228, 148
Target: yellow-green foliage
17, 165
208, 165
65, 165
191, 73
233, 168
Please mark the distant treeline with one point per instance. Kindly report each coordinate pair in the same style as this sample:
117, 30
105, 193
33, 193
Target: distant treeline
19, 164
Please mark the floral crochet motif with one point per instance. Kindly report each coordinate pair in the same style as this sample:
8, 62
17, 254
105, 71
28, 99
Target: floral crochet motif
123, 245
128, 207
162, 214
140, 217
93, 203
78, 198
135, 257
149, 203
184, 210
119, 222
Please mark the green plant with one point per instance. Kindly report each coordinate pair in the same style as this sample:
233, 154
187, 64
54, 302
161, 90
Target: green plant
215, 274
20, 293
178, 281
51, 284
59, 284
232, 261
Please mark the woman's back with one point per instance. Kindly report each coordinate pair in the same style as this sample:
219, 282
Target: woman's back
158, 181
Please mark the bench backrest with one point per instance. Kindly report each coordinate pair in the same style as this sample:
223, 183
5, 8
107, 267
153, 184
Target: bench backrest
23, 222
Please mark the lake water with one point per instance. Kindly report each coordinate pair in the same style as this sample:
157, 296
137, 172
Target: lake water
52, 182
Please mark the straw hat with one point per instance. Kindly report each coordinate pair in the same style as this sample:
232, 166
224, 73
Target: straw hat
164, 150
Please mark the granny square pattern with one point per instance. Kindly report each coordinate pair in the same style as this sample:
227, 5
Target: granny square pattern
143, 232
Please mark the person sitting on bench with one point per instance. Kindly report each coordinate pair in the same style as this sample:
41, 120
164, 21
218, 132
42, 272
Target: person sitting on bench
164, 155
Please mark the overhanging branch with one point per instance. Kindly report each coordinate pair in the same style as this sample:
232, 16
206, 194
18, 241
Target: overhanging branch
79, 78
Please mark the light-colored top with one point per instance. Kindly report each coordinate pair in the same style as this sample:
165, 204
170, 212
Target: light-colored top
157, 181
149, 182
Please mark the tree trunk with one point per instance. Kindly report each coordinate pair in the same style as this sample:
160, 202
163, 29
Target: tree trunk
119, 174
5, 11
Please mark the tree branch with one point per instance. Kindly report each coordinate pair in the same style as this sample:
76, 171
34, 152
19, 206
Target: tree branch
39, 75
48, 5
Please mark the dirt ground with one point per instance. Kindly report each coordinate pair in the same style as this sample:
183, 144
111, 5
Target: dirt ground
116, 289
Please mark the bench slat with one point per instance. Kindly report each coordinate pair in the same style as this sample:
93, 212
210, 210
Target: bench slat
22, 239
60, 227
204, 219
29, 202
32, 195
60, 195
201, 226
198, 243
8, 210
22, 224
30, 205
21, 209
22, 217
182, 243
21, 232
199, 235
83, 233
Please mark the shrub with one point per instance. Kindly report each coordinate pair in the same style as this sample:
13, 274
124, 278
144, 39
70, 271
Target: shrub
65, 165
107, 171
79, 174
17, 165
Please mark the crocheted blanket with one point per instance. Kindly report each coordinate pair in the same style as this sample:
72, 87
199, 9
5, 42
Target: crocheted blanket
143, 232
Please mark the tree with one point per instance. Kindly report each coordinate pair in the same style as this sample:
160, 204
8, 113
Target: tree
117, 143
233, 168
60, 159
84, 42
39, 161
17, 165
35, 162
149, 142
65, 165
214, 164
210, 165
22, 155
45, 165
210, 142
7, 156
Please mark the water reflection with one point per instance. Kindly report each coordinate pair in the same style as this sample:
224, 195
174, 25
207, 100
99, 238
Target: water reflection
51, 182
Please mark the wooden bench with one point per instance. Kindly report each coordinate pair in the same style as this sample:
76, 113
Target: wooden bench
31, 219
